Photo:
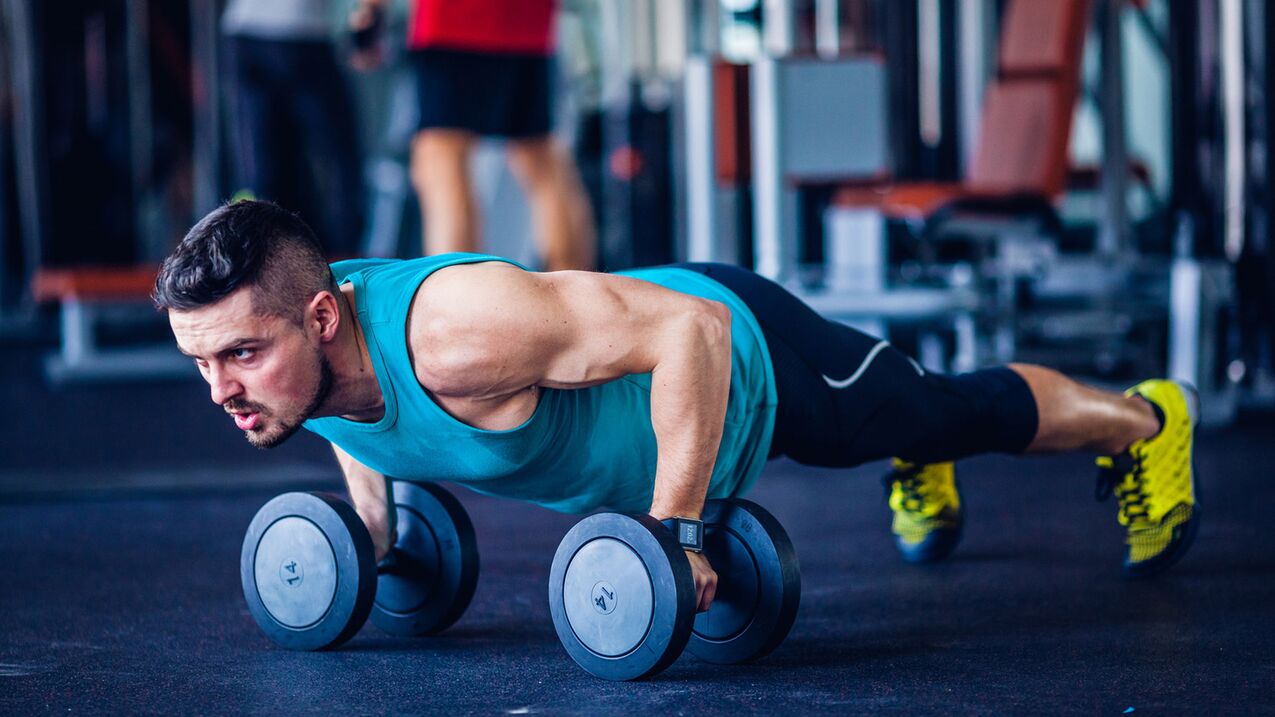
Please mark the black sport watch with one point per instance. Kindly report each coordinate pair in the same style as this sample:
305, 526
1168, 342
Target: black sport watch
688, 531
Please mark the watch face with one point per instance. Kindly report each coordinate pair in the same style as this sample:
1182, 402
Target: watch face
688, 533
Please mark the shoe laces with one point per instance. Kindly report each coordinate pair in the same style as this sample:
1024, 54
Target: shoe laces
912, 485
1124, 475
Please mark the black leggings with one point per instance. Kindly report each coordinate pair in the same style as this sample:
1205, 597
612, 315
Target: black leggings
846, 398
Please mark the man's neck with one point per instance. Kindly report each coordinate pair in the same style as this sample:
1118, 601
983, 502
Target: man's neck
356, 394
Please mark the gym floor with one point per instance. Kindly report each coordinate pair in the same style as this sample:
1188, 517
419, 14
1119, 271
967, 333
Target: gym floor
122, 510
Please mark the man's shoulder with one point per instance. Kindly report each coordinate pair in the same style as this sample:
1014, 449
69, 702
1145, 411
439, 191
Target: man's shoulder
460, 288
450, 293
458, 315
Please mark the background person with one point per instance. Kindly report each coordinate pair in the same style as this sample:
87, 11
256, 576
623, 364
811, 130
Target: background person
295, 134
485, 69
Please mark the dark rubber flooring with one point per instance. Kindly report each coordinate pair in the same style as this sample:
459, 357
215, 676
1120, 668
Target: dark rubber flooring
127, 599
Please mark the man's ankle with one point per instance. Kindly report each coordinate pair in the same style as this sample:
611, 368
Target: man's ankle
1156, 412
1143, 430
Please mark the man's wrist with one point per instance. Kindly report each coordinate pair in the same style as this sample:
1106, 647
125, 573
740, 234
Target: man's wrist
664, 512
688, 531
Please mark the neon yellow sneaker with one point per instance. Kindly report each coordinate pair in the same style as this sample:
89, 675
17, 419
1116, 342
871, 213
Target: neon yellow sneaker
1154, 481
927, 509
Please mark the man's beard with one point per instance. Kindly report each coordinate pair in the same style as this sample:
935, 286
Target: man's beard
288, 427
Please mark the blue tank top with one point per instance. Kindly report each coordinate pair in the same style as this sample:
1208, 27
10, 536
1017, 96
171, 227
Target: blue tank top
581, 449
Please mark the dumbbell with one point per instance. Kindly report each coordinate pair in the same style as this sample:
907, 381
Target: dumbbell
311, 582
622, 595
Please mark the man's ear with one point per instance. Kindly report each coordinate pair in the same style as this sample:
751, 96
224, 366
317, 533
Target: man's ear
325, 313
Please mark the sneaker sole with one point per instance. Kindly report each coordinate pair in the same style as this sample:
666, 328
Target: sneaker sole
937, 545
1165, 560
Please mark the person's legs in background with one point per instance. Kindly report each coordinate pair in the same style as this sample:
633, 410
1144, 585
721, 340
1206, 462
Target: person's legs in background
560, 210
561, 216
440, 174
258, 142
466, 95
454, 93
323, 108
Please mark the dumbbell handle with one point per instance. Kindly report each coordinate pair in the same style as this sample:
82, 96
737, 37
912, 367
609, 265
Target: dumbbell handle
399, 562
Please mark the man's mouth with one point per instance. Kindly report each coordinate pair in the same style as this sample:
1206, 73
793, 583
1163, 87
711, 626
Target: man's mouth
246, 421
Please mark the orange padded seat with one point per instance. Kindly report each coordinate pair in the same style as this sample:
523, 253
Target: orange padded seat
1041, 36
1025, 125
913, 201
125, 283
1022, 139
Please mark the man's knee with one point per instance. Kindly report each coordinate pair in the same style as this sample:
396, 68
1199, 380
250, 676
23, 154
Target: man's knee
440, 157
990, 410
537, 163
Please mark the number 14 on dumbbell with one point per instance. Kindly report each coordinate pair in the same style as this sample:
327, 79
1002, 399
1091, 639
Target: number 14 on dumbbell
310, 578
621, 591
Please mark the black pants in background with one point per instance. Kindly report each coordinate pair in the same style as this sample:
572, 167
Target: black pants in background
296, 140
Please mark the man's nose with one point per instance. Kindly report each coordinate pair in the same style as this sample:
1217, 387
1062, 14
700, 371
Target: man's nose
224, 386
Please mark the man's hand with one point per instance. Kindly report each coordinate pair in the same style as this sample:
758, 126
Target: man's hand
370, 494
705, 581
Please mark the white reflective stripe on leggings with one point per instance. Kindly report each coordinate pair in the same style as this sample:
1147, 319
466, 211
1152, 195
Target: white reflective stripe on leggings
867, 360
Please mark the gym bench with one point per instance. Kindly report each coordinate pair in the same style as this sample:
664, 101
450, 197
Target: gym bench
86, 296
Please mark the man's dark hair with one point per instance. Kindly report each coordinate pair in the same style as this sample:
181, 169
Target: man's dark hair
245, 243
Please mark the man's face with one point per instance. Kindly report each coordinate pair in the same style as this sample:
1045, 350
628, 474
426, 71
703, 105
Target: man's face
266, 371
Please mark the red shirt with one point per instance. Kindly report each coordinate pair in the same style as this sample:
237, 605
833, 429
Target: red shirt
513, 26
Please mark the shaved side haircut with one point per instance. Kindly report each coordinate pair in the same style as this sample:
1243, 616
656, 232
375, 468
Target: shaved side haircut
246, 243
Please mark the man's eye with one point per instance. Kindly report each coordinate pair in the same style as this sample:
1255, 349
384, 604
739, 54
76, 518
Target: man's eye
242, 354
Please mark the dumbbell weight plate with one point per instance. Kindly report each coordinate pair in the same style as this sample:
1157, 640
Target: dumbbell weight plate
434, 585
621, 595
307, 571
758, 588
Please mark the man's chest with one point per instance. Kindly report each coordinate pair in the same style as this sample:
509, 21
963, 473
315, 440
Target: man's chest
491, 414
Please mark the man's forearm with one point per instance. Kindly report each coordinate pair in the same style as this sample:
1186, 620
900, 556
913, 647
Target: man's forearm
689, 392
370, 493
